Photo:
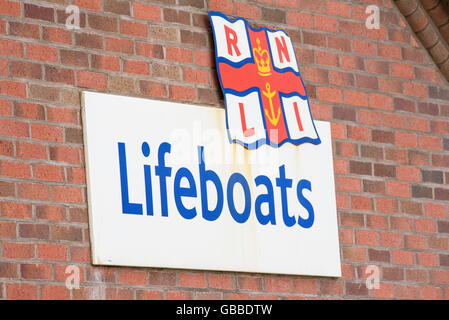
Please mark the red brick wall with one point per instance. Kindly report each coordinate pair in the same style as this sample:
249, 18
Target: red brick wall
387, 103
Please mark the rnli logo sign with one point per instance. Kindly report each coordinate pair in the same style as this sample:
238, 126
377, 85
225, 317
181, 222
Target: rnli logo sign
266, 101
174, 185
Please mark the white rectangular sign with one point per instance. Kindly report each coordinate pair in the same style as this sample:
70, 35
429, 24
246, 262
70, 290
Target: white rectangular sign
167, 189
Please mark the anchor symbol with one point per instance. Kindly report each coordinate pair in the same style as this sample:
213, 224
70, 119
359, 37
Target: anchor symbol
273, 119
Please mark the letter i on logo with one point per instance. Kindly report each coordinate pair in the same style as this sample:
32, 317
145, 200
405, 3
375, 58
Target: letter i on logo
246, 132
148, 186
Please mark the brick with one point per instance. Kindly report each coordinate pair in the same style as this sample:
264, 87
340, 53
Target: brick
372, 186
8, 270
198, 76
379, 255
439, 277
376, 66
415, 90
441, 194
419, 191
433, 176
366, 237
119, 294
331, 287
349, 184
434, 210
193, 280
136, 67
120, 45
100, 274
41, 52
356, 289
15, 250
162, 278
50, 212
178, 295
13, 88
429, 293
123, 84
88, 4
56, 35
73, 135
33, 191
164, 33
91, 80
15, 169
304, 285
249, 283
57, 74
196, 39
153, 89
104, 62
182, 93
383, 136
369, 117
147, 12
107, 24
38, 12
6, 190
29, 110
25, 30
278, 284
117, 6
428, 108
74, 58
11, 48
49, 251
314, 39
386, 205
55, 292
34, 231
132, 28
180, 54
273, 15
46, 132
32, 271
406, 292
149, 295
415, 242
384, 170
427, 259
354, 254
401, 223
401, 104
63, 115
10, 8
21, 291
221, 281
402, 257
67, 194
66, 233
408, 173
132, 277
398, 189
76, 175
90, 41
362, 168
430, 143
44, 92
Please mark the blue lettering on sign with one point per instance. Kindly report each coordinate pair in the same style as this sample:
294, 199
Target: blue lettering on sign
208, 176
